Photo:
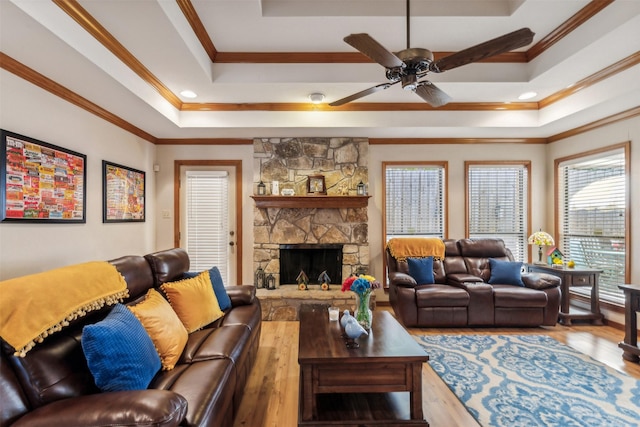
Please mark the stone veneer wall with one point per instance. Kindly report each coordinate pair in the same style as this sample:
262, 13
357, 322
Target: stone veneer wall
344, 163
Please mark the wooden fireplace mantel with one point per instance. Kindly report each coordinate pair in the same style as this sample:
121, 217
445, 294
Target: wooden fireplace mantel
311, 201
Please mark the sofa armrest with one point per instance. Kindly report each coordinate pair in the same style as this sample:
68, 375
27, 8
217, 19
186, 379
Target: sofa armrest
153, 408
401, 279
241, 295
540, 280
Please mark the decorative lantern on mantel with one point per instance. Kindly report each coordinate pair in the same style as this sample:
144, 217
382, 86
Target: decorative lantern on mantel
259, 278
262, 189
360, 188
270, 282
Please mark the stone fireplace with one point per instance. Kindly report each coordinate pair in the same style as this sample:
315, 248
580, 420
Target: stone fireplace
344, 163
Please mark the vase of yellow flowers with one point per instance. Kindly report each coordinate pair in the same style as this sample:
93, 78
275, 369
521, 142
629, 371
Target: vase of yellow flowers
362, 286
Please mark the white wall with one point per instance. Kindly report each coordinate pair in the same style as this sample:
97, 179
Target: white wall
29, 248
627, 130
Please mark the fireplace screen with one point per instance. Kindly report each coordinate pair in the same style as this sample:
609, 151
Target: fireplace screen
313, 260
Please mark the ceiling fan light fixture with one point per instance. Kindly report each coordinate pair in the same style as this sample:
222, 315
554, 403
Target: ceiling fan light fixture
409, 82
316, 97
527, 95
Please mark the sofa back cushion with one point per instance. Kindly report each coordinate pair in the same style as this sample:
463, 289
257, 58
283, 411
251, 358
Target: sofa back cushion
55, 369
136, 272
476, 254
14, 403
168, 265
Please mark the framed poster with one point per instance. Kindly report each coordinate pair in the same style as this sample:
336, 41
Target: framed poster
123, 193
41, 182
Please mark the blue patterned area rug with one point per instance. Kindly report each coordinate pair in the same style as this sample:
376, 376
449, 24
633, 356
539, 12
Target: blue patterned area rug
532, 380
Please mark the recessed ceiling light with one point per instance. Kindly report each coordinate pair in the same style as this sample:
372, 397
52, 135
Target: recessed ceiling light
189, 94
527, 95
316, 97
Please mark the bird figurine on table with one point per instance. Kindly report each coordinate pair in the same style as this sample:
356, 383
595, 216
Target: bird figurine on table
345, 318
354, 330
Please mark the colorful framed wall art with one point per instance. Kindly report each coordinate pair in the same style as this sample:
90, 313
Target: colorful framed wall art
41, 182
123, 192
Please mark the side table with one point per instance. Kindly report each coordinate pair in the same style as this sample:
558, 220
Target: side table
629, 346
574, 277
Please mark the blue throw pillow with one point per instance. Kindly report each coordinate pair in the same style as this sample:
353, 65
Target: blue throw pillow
421, 269
505, 272
218, 287
119, 352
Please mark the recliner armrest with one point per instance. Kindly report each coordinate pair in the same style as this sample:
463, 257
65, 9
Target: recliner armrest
141, 408
401, 279
457, 279
540, 280
241, 295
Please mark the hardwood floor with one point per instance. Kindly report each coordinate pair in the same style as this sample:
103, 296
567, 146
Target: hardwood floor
271, 397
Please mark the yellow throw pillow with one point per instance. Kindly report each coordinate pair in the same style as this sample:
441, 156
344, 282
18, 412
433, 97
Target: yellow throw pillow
167, 332
194, 301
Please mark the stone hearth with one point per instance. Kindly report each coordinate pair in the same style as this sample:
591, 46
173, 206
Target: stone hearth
284, 303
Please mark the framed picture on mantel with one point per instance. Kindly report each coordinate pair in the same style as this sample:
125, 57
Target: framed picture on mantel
316, 185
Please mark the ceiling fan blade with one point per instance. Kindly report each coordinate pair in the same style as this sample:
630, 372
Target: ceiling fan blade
432, 94
505, 43
374, 50
361, 94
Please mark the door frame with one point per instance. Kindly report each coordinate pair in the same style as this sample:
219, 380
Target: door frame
237, 164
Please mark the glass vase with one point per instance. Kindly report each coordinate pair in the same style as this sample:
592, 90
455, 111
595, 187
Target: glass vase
363, 313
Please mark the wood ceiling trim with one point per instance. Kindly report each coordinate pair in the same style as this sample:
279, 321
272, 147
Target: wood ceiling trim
450, 141
11, 65
582, 16
33, 77
618, 67
198, 28
360, 106
624, 115
93, 27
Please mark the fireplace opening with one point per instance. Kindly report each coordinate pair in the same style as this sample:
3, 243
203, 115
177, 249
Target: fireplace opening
313, 260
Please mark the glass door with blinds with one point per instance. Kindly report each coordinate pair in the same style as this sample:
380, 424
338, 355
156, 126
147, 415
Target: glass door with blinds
206, 229
593, 216
497, 203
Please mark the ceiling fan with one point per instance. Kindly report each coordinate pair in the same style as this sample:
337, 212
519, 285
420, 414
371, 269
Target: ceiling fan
411, 64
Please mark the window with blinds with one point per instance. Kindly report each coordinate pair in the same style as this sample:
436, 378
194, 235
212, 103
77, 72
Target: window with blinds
206, 229
497, 202
414, 200
592, 198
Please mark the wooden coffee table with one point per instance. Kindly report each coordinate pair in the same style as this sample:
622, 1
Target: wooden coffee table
379, 383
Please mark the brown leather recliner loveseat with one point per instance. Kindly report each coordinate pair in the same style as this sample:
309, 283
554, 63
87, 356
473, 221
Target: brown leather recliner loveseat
53, 386
460, 295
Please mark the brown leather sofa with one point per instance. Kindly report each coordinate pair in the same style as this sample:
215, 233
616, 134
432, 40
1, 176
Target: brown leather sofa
461, 295
52, 385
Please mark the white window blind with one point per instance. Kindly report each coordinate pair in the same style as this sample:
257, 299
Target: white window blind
593, 217
207, 229
415, 201
497, 201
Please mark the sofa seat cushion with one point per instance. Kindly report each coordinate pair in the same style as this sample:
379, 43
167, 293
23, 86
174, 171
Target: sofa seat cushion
517, 297
248, 315
441, 296
228, 342
206, 385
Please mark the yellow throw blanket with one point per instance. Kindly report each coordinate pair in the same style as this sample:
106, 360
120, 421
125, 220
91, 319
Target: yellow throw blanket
416, 247
35, 306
